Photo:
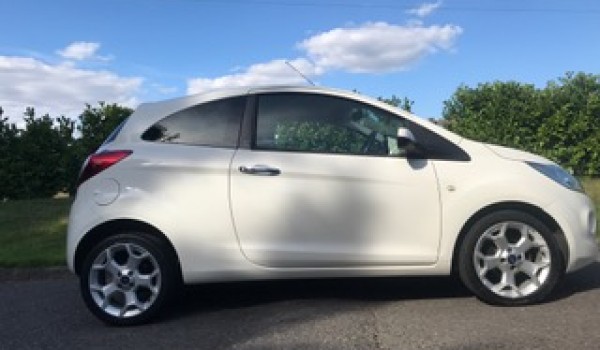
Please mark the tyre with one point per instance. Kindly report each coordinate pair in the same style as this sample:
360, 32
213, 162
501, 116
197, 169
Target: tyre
128, 278
510, 258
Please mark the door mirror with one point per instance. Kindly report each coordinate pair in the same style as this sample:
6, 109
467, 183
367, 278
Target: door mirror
407, 142
405, 138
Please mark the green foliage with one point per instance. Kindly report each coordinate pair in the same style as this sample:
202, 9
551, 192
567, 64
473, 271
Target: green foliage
34, 157
560, 121
8, 142
39, 156
404, 103
500, 113
570, 134
317, 137
44, 157
96, 123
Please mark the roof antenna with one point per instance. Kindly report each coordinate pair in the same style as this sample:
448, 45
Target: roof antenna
300, 73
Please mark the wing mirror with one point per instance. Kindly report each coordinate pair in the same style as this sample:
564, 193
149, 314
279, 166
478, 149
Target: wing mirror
407, 142
405, 138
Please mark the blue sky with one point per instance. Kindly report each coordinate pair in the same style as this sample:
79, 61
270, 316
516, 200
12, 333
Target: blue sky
58, 55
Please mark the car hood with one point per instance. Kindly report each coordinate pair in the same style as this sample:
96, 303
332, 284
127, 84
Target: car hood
515, 154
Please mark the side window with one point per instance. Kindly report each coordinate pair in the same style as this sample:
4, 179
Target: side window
326, 124
435, 146
215, 123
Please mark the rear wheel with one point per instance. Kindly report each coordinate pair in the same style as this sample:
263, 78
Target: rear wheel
127, 278
510, 258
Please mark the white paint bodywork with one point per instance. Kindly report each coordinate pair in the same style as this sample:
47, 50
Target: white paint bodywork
325, 215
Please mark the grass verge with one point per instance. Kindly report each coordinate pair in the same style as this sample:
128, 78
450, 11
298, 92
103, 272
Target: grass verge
32, 232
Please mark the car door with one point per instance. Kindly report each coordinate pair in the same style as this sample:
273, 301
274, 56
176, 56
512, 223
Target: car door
324, 184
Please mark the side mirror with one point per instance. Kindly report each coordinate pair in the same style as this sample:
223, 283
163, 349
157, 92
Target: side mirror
407, 142
405, 138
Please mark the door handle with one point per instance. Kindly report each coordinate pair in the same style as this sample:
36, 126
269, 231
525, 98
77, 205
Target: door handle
262, 170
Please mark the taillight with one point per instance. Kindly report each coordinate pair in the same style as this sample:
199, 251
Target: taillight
98, 162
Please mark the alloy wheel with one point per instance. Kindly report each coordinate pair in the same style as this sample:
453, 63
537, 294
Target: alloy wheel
512, 259
124, 280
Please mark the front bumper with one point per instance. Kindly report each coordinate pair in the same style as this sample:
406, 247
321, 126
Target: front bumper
576, 216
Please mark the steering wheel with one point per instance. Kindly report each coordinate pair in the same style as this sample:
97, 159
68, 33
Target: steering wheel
369, 142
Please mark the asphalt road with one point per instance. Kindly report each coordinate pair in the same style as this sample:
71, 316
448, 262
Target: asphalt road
399, 313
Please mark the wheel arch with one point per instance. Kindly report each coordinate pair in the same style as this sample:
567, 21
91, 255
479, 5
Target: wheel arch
113, 227
531, 209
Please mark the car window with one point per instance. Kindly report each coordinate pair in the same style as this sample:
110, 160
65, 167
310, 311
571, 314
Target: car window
435, 146
215, 123
315, 123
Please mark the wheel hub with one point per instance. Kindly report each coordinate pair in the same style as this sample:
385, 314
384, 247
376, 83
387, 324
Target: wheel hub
513, 259
126, 279
512, 256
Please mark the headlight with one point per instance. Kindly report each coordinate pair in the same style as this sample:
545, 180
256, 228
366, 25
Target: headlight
558, 174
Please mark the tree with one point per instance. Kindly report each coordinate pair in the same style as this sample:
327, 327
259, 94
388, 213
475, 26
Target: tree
8, 139
35, 159
44, 157
570, 133
560, 121
505, 113
69, 161
404, 103
96, 123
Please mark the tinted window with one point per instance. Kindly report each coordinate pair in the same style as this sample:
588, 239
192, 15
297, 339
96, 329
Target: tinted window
435, 146
317, 123
215, 123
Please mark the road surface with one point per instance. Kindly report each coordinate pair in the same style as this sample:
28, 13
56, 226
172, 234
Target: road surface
389, 313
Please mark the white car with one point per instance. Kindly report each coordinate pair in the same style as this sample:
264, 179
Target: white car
308, 182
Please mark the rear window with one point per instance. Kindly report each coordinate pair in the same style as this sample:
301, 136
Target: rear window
215, 123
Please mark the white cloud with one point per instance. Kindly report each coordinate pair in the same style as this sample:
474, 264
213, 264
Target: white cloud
425, 9
374, 47
80, 50
60, 88
163, 89
369, 48
269, 73
378, 47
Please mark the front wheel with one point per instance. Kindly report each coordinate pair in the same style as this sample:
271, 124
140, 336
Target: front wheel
510, 258
127, 278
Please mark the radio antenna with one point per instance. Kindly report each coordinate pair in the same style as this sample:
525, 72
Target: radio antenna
300, 73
